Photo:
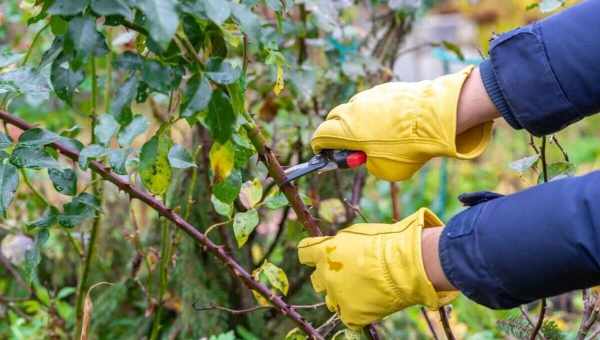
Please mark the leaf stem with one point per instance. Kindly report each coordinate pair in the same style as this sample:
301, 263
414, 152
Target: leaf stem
163, 268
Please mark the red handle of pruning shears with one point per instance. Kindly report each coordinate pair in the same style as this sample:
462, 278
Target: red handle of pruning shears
327, 160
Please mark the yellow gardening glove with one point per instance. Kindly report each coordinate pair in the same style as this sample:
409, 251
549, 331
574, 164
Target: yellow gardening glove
369, 271
400, 126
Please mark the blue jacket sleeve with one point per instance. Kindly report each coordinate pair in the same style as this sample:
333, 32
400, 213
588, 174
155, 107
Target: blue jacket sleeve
545, 76
537, 243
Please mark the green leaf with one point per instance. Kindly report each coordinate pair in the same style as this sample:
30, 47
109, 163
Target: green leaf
32, 157
137, 126
276, 277
296, 334
251, 193
65, 80
179, 158
8, 58
64, 181
112, 7
80, 209
454, 48
33, 256
105, 129
161, 19
221, 160
154, 169
217, 10
67, 7
159, 76
229, 189
117, 159
92, 151
223, 336
220, 118
196, 97
222, 208
9, 182
84, 37
523, 164
5, 141
129, 61
222, 71
25, 81
249, 21
276, 200
243, 225
557, 170
123, 97
48, 219
37, 137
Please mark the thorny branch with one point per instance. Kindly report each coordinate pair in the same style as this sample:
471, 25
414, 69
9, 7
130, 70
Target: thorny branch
136, 193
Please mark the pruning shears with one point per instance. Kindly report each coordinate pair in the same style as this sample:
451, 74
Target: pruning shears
324, 161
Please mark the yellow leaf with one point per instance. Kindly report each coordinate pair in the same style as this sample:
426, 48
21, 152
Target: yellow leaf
279, 83
221, 160
332, 210
295, 334
251, 193
276, 277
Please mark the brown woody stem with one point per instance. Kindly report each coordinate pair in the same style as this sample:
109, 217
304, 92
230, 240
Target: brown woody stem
136, 193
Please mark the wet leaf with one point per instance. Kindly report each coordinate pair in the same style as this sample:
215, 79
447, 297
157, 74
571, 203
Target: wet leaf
37, 137
25, 81
159, 76
92, 151
65, 79
222, 71
9, 182
33, 256
180, 158
67, 7
5, 141
32, 157
64, 181
276, 277
154, 168
249, 21
84, 37
221, 160
117, 159
251, 193
196, 97
48, 219
162, 19
81, 208
217, 10
105, 129
112, 7
243, 225
220, 118
138, 125
123, 97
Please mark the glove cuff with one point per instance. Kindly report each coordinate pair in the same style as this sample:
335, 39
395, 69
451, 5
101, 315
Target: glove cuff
472, 142
423, 291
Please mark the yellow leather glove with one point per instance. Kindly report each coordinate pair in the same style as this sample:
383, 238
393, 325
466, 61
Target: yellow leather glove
400, 126
369, 271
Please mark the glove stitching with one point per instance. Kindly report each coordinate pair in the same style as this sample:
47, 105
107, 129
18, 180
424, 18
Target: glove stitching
379, 233
397, 292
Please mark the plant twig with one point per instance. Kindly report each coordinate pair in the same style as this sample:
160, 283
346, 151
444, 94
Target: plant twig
590, 314
395, 201
446, 323
213, 306
540, 321
562, 150
429, 323
136, 193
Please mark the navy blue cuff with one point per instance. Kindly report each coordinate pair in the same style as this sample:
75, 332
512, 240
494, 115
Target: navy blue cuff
495, 93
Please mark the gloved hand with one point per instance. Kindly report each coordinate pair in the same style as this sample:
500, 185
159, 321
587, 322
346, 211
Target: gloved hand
369, 271
400, 126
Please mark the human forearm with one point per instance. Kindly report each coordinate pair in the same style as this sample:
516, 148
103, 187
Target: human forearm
536, 243
474, 104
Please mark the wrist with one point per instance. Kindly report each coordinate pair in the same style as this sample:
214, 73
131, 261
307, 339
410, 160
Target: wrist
474, 104
431, 260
